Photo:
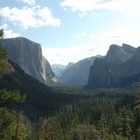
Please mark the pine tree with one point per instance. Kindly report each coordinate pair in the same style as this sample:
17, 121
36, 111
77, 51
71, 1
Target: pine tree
85, 132
3, 56
11, 124
51, 130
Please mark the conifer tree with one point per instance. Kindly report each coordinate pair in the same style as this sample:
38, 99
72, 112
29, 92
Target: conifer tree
51, 130
3, 56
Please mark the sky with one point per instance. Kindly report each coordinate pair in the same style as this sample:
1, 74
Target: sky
71, 30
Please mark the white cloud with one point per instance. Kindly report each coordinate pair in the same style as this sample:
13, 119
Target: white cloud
91, 6
98, 44
85, 6
67, 54
81, 35
35, 16
30, 2
119, 35
8, 33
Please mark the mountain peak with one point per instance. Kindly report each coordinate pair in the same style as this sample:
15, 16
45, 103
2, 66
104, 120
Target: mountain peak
128, 48
114, 46
119, 54
23, 40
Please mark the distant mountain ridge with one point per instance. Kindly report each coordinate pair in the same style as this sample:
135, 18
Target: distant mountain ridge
28, 55
58, 69
120, 63
77, 74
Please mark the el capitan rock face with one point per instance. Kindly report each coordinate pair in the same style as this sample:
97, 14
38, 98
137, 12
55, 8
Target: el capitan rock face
28, 55
120, 63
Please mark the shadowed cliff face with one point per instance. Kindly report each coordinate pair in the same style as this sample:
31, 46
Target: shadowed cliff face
120, 63
28, 55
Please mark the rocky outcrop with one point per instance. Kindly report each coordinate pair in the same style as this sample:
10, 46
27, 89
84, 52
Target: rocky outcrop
119, 54
120, 63
28, 55
77, 74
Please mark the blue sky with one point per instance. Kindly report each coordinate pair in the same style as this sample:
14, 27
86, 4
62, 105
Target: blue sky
70, 30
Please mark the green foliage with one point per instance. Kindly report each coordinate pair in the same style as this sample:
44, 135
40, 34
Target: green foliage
109, 111
85, 132
11, 124
3, 60
3, 56
17, 129
14, 129
6, 118
1, 34
101, 115
11, 97
51, 130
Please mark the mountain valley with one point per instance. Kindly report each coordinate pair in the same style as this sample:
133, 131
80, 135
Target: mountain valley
89, 101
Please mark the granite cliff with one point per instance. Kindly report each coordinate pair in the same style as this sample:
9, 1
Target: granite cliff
28, 55
118, 69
